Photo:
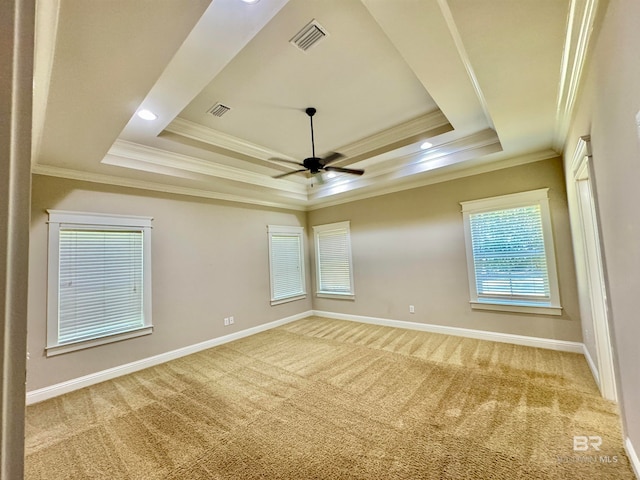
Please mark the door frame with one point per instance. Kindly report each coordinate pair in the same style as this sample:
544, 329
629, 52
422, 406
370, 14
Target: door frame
587, 223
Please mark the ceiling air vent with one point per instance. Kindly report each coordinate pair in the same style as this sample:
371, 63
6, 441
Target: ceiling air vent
309, 36
218, 110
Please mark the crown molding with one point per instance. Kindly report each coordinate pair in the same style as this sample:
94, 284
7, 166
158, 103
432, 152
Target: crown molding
195, 131
70, 174
427, 125
580, 21
435, 177
455, 151
133, 155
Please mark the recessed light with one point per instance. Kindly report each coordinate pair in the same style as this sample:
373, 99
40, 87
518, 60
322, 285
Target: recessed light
250, 1
147, 114
426, 145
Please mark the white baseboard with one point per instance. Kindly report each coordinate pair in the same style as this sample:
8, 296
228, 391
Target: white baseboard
633, 457
547, 343
46, 393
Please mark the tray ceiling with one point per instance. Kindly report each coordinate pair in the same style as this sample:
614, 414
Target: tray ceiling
489, 83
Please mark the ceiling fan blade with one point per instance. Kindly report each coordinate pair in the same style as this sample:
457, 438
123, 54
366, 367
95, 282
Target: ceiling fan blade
286, 161
332, 157
353, 171
282, 175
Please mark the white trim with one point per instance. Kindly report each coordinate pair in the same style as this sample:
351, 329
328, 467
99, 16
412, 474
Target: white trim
113, 180
72, 347
196, 131
512, 200
336, 296
427, 125
573, 57
585, 221
592, 365
452, 172
633, 456
122, 152
290, 231
318, 230
63, 219
41, 394
94, 218
538, 197
537, 342
520, 308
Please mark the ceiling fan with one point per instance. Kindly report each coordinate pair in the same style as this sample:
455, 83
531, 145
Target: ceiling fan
315, 164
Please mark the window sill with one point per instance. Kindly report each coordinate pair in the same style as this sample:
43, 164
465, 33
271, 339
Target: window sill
338, 296
280, 301
536, 309
72, 347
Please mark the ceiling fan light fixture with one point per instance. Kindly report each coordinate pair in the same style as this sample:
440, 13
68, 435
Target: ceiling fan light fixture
332, 174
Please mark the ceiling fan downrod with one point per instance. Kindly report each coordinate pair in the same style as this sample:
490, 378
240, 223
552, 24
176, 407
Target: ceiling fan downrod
311, 112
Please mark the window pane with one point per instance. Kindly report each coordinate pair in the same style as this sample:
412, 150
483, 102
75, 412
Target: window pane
509, 253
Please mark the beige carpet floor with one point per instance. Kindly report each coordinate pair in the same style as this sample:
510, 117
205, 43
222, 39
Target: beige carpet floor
328, 399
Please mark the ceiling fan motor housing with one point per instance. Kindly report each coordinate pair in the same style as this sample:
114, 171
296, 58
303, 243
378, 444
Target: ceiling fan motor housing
313, 164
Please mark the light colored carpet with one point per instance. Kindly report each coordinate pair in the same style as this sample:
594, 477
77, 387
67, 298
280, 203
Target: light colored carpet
328, 399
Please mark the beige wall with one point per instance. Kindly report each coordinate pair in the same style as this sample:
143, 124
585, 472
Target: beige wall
210, 261
608, 103
408, 249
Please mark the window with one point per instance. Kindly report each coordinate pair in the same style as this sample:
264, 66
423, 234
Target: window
510, 253
334, 276
286, 264
99, 279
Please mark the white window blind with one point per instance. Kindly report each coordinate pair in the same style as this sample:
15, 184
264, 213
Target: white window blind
510, 253
99, 279
101, 288
333, 259
286, 261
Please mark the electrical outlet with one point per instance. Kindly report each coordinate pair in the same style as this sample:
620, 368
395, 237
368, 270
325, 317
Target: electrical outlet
226, 322
231, 321
412, 309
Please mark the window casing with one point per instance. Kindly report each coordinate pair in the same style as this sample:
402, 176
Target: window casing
334, 268
99, 279
510, 253
286, 263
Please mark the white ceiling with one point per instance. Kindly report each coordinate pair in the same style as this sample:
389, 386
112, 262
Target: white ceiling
490, 83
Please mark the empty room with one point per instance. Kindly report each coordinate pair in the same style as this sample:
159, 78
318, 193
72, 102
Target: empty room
320, 239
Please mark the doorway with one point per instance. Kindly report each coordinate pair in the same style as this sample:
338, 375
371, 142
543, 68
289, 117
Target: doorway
593, 271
